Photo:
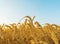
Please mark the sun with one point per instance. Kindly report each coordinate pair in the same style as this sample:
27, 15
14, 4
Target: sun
3, 20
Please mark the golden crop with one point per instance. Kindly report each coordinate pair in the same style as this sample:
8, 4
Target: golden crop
29, 32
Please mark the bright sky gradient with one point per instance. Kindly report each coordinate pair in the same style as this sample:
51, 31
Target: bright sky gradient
46, 11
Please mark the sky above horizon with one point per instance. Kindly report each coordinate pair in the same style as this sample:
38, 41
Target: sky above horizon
46, 11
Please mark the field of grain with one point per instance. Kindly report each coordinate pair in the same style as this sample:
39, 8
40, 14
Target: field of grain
29, 32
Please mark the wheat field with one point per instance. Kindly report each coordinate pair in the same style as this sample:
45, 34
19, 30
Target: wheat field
29, 32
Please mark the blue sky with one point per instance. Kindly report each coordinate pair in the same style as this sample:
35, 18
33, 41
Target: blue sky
46, 11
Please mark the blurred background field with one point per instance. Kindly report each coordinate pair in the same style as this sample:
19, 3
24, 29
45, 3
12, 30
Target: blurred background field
29, 32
